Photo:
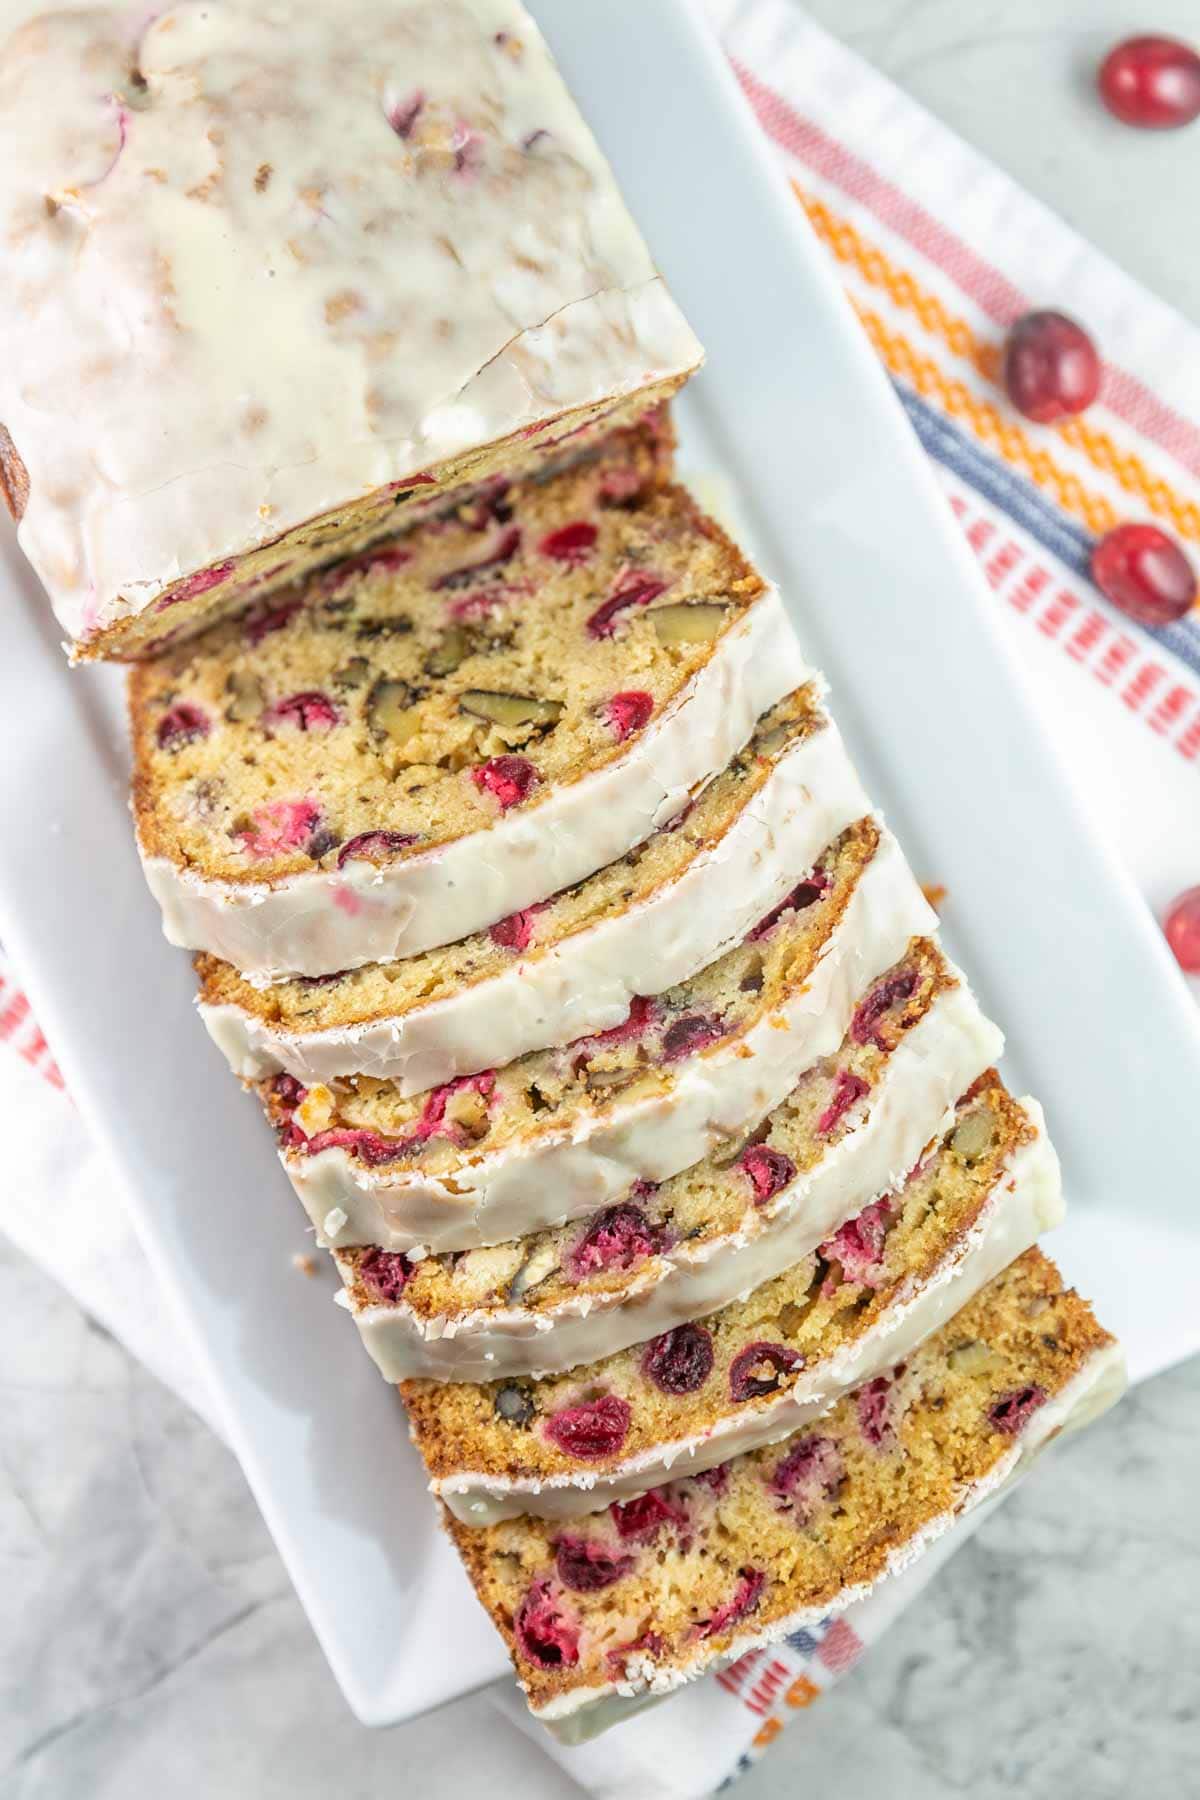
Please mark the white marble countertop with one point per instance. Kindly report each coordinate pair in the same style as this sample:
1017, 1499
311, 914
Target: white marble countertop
149, 1640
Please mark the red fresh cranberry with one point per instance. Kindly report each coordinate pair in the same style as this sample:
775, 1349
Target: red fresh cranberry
716, 1478
1051, 367
1012, 1412
640, 1017
631, 590
746, 1597
626, 713
641, 1519
433, 1113
768, 1170
687, 1036
184, 724
309, 711
546, 1633
515, 932
289, 1133
847, 1089
679, 1361
570, 543
1182, 927
286, 1095
1151, 82
1144, 573
386, 1273
858, 1244
592, 1430
200, 582
368, 1146
757, 1369
374, 1150
864, 1026
404, 116
586, 1566
272, 618
279, 826
374, 847
507, 778
806, 894
288, 1091
874, 1403
616, 1238
463, 576
809, 1472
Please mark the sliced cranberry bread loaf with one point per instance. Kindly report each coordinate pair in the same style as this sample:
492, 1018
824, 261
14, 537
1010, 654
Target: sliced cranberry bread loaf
604, 1614
450, 728
559, 1132
553, 972
848, 1133
763, 1366
372, 253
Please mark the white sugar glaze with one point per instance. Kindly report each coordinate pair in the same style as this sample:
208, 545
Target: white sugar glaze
1025, 1201
327, 920
586, 981
583, 1713
555, 1175
912, 1102
259, 262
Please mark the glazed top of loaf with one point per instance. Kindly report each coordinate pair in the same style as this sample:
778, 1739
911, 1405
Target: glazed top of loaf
261, 257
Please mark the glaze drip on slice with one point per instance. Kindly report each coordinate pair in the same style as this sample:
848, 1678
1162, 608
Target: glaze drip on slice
756, 1368
780, 1536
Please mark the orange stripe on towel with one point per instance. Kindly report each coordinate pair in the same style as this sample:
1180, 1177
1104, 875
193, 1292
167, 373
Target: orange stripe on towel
997, 429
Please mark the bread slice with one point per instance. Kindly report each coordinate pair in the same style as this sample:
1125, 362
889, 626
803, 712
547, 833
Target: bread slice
639, 926
451, 728
275, 289
848, 1133
608, 1613
559, 1132
764, 1365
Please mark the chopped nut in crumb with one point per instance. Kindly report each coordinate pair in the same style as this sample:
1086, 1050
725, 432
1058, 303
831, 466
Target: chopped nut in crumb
469, 1110
315, 1111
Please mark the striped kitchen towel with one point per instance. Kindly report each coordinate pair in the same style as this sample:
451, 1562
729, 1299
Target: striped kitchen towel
939, 252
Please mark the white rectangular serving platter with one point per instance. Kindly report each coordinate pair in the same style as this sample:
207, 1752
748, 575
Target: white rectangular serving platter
844, 513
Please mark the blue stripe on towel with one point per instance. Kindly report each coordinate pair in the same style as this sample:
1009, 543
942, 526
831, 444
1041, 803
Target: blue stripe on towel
1027, 508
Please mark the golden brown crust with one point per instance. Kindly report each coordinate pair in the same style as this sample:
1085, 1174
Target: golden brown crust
816, 1310
712, 1203
199, 793
1025, 1334
346, 530
563, 1091
376, 992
